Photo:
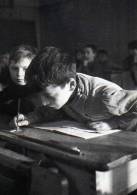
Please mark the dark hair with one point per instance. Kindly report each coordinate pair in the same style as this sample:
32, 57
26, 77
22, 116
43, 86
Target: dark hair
22, 51
92, 46
102, 51
78, 50
132, 44
51, 66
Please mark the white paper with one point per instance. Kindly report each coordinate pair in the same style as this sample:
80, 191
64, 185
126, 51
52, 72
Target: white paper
73, 129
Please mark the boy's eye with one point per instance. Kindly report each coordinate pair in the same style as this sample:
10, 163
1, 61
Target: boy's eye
25, 68
49, 96
14, 68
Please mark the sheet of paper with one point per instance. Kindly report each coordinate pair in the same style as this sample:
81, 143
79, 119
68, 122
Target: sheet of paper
73, 129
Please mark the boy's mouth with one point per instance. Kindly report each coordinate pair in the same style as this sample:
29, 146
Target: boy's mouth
21, 81
54, 106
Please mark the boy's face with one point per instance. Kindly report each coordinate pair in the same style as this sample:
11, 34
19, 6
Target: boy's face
18, 70
89, 54
56, 96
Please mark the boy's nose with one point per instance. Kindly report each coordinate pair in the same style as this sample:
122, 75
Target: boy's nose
20, 72
85, 55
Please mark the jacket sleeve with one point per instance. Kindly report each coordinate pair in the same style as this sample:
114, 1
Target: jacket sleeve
119, 102
45, 114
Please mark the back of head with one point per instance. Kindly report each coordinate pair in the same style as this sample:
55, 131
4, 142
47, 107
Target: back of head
102, 55
51, 66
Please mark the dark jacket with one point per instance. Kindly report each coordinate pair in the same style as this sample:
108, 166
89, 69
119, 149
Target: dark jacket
95, 99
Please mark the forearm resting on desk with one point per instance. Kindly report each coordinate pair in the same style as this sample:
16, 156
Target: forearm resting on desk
104, 125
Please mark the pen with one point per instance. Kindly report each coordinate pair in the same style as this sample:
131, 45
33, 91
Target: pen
18, 112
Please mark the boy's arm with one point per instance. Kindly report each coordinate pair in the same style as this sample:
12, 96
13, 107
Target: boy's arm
45, 114
117, 101
41, 114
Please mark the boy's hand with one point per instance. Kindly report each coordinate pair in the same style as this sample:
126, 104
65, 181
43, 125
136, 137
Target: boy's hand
19, 121
99, 126
132, 125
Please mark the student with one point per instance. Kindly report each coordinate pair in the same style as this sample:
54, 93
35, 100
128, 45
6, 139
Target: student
105, 66
98, 103
130, 66
13, 78
89, 64
4, 63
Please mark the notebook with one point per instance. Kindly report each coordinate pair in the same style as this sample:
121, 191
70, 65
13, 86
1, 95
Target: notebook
73, 129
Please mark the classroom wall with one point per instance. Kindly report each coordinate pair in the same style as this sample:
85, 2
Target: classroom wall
108, 23
72, 23
19, 24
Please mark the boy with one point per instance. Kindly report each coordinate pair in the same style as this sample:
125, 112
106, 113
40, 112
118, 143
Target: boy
100, 104
105, 66
13, 79
130, 66
89, 64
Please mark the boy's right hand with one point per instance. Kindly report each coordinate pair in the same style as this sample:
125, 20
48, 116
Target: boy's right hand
19, 121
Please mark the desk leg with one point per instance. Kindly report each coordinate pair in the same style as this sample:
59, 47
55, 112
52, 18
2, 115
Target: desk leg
118, 181
81, 181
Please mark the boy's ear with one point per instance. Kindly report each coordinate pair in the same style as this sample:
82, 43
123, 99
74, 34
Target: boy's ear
72, 84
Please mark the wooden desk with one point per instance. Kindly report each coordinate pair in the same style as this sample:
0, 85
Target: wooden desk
106, 165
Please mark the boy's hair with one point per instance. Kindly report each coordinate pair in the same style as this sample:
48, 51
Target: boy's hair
92, 46
51, 66
103, 51
22, 51
78, 50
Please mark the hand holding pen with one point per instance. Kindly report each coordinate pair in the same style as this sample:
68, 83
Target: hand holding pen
19, 120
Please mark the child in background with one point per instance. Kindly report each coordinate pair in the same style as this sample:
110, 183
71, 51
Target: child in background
98, 103
79, 58
130, 67
89, 64
13, 78
105, 66
4, 63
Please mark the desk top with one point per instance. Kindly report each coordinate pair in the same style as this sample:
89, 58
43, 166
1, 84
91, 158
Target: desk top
101, 153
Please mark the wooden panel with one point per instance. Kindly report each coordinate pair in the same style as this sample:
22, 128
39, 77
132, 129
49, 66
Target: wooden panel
76, 23
15, 32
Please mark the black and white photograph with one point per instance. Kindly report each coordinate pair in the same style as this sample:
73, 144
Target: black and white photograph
68, 97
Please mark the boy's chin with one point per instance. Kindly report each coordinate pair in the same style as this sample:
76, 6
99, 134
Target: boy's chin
56, 107
20, 82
